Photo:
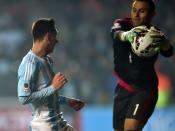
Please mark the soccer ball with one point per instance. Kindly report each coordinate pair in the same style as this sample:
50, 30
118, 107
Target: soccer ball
143, 44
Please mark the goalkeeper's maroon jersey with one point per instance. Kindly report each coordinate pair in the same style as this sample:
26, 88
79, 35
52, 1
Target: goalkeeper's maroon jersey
134, 73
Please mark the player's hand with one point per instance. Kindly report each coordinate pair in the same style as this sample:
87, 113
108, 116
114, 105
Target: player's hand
131, 34
159, 39
157, 35
59, 81
76, 104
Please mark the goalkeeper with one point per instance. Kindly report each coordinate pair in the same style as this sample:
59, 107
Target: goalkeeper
137, 90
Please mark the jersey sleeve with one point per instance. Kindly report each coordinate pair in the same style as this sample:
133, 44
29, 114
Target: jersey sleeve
27, 83
27, 76
120, 25
38, 96
62, 100
167, 53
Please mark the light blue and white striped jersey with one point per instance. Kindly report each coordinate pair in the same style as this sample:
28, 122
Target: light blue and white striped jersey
35, 75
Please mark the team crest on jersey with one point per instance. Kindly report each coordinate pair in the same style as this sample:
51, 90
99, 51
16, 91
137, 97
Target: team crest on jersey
26, 87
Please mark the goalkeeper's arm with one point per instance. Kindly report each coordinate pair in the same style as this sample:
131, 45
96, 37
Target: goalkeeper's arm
126, 35
118, 30
166, 49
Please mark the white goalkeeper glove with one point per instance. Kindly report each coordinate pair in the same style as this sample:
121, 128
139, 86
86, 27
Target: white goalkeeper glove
131, 34
158, 37
127, 36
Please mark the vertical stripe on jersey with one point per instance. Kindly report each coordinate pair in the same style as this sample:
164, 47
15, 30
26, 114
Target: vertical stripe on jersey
29, 68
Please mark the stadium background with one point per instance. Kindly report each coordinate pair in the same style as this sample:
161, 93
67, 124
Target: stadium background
85, 56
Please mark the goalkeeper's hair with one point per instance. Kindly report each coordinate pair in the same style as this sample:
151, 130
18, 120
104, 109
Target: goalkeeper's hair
151, 4
41, 27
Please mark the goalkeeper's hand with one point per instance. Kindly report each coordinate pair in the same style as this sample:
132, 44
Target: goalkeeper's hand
159, 39
127, 36
131, 34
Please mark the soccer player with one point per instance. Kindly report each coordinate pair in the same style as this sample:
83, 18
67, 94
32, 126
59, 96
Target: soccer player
38, 85
137, 90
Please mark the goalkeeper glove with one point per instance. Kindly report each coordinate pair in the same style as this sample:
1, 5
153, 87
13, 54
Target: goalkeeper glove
127, 36
131, 34
158, 38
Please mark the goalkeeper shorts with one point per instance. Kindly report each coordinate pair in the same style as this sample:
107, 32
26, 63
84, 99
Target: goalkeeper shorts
137, 105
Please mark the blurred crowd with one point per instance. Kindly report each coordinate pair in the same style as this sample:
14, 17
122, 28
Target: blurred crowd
84, 54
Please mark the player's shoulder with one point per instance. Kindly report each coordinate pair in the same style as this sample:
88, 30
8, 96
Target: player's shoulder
122, 23
29, 58
123, 20
28, 61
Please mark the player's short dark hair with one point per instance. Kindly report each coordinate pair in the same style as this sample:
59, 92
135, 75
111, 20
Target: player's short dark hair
151, 4
43, 26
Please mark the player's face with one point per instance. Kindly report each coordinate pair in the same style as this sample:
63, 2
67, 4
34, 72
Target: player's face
52, 40
141, 13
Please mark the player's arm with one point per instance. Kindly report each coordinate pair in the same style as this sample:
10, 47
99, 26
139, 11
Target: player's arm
76, 104
116, 29
119, 30
126, 35
28, 75
38, 96
166, 49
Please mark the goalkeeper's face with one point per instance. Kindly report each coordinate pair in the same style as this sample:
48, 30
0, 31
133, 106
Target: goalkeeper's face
141, 13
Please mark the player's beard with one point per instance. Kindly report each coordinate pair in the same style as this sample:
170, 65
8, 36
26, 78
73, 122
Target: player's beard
50, 48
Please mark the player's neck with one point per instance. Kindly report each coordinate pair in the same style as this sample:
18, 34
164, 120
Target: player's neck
38, 50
